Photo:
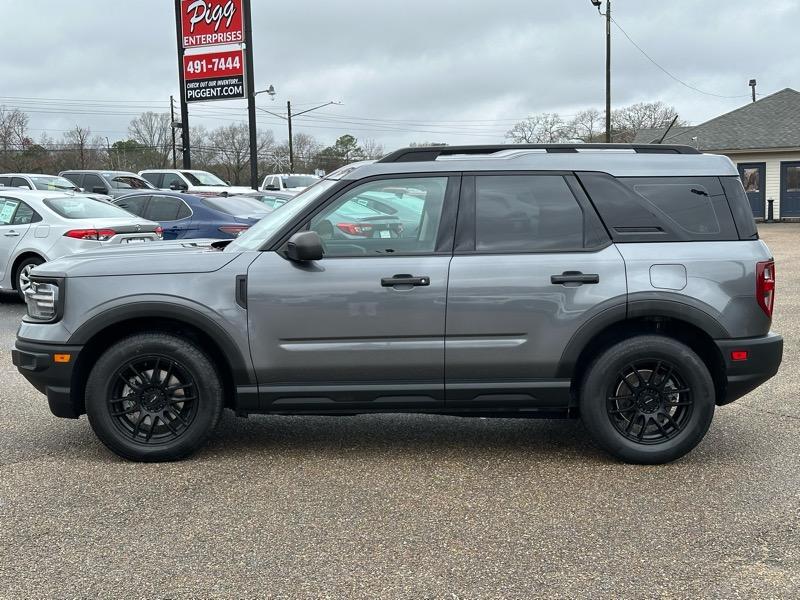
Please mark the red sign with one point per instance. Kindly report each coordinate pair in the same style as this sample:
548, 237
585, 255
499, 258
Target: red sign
214, 76
211, 22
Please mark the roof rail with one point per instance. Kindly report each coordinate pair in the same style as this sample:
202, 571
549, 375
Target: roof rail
431, 153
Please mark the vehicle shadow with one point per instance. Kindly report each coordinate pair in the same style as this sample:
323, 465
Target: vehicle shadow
10, 298
399, 435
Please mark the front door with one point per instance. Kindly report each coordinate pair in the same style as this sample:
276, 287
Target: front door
753, 179
13, 227
364, 326
790, 189
532, 264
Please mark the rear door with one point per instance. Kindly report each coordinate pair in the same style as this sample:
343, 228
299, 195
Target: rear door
532, 264
753, 178
173, 215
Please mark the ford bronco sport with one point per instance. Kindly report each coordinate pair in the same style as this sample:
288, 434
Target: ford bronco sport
624, 284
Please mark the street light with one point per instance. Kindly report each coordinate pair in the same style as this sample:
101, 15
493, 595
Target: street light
288, 117
597, 4
270, 90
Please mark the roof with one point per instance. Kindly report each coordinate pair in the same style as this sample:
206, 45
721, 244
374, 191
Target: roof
652, 135
622, 161
771, 122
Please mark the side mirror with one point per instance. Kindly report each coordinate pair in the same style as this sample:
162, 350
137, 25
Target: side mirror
98, 189
304, 246
271, 188
178, 186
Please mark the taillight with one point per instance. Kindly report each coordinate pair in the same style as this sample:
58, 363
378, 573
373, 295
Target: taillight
95, 235
765, 286
356, 229
234, 229
160, 232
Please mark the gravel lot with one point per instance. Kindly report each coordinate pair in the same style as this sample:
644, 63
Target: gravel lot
407, 506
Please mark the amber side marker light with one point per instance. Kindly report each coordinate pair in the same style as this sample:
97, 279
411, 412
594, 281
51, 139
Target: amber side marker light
62, 358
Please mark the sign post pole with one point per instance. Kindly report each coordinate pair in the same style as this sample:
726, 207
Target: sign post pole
251, 94
187, 158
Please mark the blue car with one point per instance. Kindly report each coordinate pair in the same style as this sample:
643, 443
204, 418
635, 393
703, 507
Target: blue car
183, 216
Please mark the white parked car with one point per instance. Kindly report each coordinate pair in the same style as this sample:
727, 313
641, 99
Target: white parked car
284, 182
192, 181
38, 226
45, 183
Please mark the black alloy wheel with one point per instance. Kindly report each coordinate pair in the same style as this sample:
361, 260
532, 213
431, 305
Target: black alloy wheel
153, 399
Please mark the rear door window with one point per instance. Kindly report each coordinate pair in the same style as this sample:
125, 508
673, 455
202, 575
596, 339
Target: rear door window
135, 205
152, 178
8, 207
92, 182
528, 213
76, 178
163, 208
20, 183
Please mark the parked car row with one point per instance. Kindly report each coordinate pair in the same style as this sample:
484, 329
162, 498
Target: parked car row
44, 217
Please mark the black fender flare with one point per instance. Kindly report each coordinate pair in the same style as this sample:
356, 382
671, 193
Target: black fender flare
134, 308
672, 306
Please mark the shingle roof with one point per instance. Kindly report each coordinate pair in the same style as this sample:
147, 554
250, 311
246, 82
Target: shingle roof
772, 122
651, 135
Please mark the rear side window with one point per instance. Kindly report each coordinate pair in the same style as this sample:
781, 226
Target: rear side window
529, 213
152, 178
8, 207
134, 205
740, 208
661, 209
163, 208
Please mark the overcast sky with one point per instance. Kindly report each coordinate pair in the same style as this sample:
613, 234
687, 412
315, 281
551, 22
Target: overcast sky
457, 71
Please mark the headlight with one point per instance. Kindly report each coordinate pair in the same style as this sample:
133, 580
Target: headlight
42, 299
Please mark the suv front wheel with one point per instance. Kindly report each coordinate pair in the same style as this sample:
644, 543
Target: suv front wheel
153, 397
648, 399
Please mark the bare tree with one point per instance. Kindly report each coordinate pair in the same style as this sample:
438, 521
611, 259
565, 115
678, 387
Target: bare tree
153, 130
231, 145
77, 140
588, 125
545, 128
372, 150
628, 121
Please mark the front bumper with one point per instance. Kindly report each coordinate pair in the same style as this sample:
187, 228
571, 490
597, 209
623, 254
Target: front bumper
764, 355
54, 379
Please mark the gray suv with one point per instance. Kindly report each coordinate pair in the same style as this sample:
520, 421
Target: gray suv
624, 284
110, 183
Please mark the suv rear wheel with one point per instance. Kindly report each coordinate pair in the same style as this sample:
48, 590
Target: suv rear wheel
648, 399
153, 397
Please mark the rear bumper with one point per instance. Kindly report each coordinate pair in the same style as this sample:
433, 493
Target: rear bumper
54, 379
764, 355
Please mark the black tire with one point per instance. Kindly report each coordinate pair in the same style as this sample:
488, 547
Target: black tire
23, 268
647, 400
153, 397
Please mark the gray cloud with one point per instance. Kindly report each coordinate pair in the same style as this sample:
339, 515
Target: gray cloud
438, 70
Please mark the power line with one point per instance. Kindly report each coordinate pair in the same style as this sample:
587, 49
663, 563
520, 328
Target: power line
683, 83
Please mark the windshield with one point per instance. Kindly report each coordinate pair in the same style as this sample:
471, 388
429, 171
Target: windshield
260, 233
81, 207
299, 181
48, 182
202, 178
236, 205
129, 182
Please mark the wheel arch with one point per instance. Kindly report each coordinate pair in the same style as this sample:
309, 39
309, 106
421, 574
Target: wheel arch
22, 256
100, 332
683, 324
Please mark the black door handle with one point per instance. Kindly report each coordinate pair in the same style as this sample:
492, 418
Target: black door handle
574, 277
403, 279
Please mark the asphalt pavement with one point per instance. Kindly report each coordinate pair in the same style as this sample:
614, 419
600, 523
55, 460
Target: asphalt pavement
398, 506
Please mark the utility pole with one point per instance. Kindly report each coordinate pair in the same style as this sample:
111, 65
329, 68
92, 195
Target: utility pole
187, 158
608, 71
251, 93
172, 128
288, 116
291, 142
597, 4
